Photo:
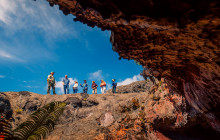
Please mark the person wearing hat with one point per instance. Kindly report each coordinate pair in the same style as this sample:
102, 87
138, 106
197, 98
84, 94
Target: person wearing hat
66, 84
103, 86
84, 86
94, 87
51, 83
114, 85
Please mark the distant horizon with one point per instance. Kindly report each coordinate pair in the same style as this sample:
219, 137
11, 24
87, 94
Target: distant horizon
36, 39
77, 92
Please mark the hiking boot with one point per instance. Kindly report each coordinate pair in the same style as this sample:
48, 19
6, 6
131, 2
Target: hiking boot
48, 93
54, 94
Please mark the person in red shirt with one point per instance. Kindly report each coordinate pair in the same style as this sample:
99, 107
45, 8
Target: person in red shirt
94, 87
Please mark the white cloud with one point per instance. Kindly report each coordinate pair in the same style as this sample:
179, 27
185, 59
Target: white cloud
109, 86
98, 75
131, 80
2, 76
28, 81
6, 7
20, 15
59, 85
24, 22
7, 56
28, 86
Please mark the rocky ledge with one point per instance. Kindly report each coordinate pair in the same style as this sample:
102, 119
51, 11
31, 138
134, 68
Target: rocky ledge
156, 113
135, 87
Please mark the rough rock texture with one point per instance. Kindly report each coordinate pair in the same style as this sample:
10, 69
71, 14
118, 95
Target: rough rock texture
178, 39
5, 107
155, 114
135, 87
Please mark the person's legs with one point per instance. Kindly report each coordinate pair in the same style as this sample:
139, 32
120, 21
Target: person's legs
67, 88
104, 88
64, 87
48, 89
53, 87
114, 89
96, 91
76, 90
93, 91
86, 90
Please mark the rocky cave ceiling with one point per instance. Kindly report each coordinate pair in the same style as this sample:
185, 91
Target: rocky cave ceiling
175, 39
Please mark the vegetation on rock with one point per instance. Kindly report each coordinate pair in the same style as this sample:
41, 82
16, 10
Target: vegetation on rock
40, 123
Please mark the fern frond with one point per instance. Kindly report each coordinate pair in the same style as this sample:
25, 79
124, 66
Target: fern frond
40, 123
5, 129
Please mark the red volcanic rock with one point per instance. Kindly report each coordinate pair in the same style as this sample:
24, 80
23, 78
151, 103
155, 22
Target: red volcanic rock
178, 39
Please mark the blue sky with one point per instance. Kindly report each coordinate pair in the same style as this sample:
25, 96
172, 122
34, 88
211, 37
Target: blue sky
36, 39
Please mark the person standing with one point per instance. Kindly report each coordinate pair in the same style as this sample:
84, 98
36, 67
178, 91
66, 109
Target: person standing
94, 87
75, 87
66, 83
51, 83
103, 86
114, 85
84, 86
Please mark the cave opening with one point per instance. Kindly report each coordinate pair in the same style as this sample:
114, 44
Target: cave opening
174, 44
182, 47
37, 39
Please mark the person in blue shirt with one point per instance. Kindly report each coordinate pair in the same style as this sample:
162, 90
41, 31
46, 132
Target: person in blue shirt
84, 86
66, 83
114, 85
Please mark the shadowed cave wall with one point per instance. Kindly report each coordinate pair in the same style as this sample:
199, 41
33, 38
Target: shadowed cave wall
174, 39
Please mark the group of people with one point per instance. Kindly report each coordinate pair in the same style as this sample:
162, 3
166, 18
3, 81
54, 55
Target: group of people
66, 83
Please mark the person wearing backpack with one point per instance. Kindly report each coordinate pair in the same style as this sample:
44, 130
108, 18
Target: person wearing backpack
84, 86
94, 87
51, 83
103, 86
114, 85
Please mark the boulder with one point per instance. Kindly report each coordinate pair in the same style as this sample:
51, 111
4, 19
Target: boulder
5, 107
106, 119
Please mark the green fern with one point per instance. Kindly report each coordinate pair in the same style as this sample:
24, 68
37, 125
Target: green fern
5, 129
40, 123
48, 124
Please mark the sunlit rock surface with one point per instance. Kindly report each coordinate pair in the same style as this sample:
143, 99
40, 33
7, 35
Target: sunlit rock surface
157, 113
178, 39
135, 87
